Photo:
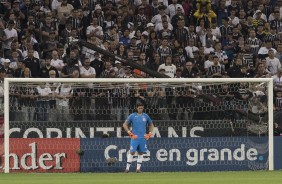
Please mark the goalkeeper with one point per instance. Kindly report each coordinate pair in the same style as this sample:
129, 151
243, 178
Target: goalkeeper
138, 121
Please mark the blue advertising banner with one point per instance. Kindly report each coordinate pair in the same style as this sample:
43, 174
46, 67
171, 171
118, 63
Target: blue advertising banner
277, 152
177, 154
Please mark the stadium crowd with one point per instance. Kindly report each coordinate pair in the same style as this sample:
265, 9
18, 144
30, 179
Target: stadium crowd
179, 38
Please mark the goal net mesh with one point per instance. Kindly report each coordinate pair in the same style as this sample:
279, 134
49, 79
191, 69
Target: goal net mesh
53, 115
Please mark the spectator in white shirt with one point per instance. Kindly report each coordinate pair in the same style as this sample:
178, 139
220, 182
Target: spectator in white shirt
170, 69
86, 71
94, 29
272, 63
158, 18
191, 48
11, 34
56, 62
171, 9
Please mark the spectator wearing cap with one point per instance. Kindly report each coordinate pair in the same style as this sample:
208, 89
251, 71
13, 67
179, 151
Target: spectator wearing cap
149, 28
11, 34
171, 10
119, 69
9, 71
259, 18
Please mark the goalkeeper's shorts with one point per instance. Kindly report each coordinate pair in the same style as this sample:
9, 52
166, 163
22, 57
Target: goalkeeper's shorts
138, 145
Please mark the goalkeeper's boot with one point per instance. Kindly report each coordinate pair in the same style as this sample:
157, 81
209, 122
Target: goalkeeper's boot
138, 171
126, 171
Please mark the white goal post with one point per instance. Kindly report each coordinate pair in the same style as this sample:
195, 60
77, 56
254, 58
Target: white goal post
9, 81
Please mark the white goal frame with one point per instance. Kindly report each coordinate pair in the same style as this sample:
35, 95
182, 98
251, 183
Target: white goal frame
7, 82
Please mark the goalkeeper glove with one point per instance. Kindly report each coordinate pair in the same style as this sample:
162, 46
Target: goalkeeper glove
131, 135
148, 135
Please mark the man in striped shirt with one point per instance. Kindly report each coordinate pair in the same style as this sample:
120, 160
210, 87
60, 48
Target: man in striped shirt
253, 42
215, 69
164, 50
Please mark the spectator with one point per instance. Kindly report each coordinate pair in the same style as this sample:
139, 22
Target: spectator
87, 71
45, 70
170, 69
32, 63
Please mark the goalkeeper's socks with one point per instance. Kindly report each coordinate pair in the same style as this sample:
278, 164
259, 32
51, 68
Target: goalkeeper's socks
139, 161
129, 161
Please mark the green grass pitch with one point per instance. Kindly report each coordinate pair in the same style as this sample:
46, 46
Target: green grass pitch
250, 177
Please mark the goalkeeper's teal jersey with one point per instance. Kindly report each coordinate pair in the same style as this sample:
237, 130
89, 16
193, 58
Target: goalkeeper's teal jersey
138, 123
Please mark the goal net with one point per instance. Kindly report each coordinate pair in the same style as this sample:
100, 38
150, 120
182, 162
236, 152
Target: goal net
75, 125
